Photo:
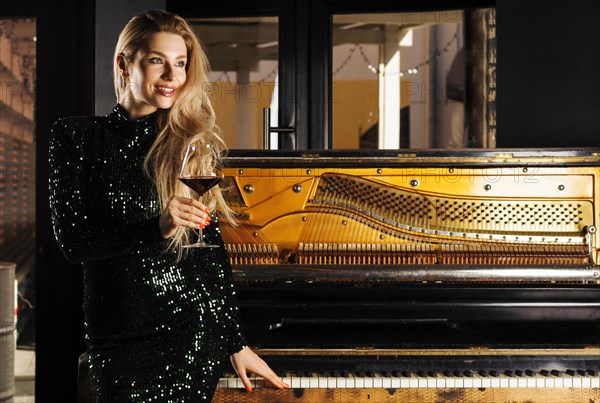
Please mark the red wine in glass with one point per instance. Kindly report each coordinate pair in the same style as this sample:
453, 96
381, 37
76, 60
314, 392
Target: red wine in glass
200, 184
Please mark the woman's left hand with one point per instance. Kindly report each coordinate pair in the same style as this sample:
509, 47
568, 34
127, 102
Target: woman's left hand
247, 360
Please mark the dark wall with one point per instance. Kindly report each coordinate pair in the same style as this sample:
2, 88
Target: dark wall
64, 86
548, 76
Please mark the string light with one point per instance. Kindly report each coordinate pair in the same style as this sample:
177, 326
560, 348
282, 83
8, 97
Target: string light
412, 70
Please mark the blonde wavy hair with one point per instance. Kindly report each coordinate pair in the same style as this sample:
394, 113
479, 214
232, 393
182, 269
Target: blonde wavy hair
190, 119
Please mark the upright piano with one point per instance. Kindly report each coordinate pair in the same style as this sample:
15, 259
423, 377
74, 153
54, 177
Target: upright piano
418, 275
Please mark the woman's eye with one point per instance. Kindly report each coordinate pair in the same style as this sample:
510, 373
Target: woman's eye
180, 64
155, 60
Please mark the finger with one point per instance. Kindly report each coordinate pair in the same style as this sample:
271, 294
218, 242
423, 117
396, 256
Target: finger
182, 222
184, 208
275, 380
245, 380
192, 214
200, 206
197, 207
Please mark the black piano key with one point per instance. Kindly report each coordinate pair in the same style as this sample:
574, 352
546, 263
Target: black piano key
592, 372
570, 372
530, 372
362, 374
494, 373
510, 373
468, 373
483, 373
519, 372
421, 374
396, 374
447, 373
580, 372
431, 374
545, 372
457, 373
405, 374
345, 374
555, 372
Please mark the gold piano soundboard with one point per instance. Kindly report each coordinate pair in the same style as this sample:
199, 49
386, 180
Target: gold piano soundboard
488, 210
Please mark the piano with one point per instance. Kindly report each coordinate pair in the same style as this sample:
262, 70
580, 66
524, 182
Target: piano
417, 275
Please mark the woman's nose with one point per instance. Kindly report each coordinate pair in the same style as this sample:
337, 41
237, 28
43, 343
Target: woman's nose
168, 73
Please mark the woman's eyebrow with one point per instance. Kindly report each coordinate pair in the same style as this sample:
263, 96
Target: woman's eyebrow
165, 56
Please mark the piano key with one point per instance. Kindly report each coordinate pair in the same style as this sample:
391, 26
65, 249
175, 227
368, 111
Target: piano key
314, 381
359, 381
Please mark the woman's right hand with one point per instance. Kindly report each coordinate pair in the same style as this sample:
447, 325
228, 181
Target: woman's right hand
183, 211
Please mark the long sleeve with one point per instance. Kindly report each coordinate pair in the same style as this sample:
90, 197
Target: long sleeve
79, 238
237, 340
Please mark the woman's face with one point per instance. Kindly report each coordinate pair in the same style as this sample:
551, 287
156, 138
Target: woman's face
156, 74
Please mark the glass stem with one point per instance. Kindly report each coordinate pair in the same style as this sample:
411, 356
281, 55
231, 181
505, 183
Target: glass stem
200, 235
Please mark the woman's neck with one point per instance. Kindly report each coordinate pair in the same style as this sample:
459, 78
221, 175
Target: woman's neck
137, 110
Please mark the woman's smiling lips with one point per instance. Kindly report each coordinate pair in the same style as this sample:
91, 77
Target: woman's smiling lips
165, 90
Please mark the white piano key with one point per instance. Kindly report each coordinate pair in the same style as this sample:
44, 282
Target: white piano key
368, 382
421, 382
341, 382
295, 382
386, 382
586, 382
322, 382
521, 382
350, 381
377, 381
413, 381
440, 381
459, 382
467, 382
577, 382
559, 382
395, 382
595, 382
567, 381
222, 383
405, 382
359, 382
494, 382
450, 382
331, 382
431, 382
313, 382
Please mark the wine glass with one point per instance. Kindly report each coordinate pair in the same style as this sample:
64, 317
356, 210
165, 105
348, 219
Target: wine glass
200, 177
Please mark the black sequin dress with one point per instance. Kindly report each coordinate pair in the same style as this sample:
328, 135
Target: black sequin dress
157, 330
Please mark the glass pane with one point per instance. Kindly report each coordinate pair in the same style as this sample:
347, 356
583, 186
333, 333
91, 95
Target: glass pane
17, 168
401, 80
243, 54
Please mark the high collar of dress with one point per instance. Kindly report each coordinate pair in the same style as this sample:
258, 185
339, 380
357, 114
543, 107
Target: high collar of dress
120, 118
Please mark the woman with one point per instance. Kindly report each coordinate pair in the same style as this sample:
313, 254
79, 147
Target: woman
159, 322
